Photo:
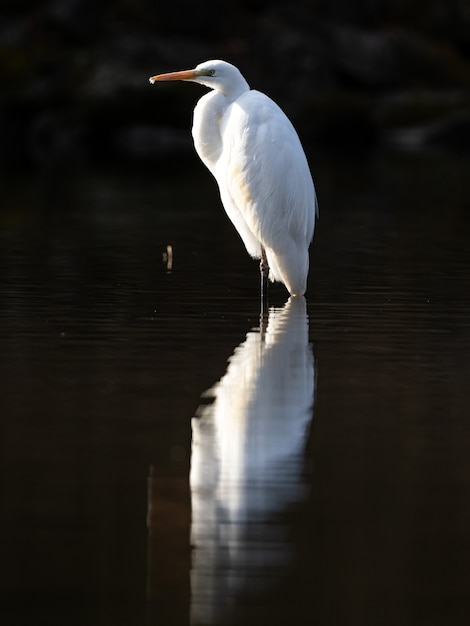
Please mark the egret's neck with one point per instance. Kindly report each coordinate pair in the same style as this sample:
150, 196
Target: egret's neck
206, 127
233, 88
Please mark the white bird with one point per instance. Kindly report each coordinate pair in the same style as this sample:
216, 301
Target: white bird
255, 155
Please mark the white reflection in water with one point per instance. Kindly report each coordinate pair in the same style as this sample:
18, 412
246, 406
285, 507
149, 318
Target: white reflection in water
246, 463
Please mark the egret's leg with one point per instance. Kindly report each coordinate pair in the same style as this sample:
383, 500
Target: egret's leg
264, 271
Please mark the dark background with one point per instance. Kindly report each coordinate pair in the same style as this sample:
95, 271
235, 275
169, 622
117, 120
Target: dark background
104, 354
349, 72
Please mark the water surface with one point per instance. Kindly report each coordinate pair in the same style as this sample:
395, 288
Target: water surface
106, 357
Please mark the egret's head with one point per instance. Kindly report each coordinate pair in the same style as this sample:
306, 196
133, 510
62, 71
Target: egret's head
218, 75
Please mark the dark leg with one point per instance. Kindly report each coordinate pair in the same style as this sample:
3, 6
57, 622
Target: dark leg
264, 270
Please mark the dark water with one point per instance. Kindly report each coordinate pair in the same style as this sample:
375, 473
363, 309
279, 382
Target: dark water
322, 479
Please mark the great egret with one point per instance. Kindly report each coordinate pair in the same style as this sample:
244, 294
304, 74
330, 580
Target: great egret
255, 155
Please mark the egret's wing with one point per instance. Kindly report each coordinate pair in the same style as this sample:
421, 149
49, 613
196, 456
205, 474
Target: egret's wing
265, 183
267, 173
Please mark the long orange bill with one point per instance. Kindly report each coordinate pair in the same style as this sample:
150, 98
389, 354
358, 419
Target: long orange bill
184, 75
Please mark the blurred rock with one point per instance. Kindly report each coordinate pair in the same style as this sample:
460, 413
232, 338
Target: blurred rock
430, 118
451, 132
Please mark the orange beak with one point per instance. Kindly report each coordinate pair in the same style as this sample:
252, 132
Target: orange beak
184, 75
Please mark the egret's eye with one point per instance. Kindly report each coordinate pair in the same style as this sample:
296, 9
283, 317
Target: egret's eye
206, 72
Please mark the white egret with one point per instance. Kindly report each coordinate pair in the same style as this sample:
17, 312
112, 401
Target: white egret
255, 155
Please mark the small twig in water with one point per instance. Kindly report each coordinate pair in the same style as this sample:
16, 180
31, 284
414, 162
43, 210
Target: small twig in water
168, 258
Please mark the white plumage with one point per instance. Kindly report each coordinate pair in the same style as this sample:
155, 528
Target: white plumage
256, 157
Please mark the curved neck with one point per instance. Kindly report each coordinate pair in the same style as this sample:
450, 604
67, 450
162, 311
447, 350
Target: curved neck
206, 127
235, 88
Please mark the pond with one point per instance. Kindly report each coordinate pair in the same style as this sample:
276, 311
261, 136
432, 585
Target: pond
169, 457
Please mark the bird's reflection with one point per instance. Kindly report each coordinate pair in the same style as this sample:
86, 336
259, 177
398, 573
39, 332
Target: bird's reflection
247, 461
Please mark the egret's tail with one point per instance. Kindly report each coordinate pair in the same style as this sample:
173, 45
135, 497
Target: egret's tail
289, 267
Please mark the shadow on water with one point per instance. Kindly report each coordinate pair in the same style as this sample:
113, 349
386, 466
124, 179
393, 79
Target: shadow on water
361, 518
